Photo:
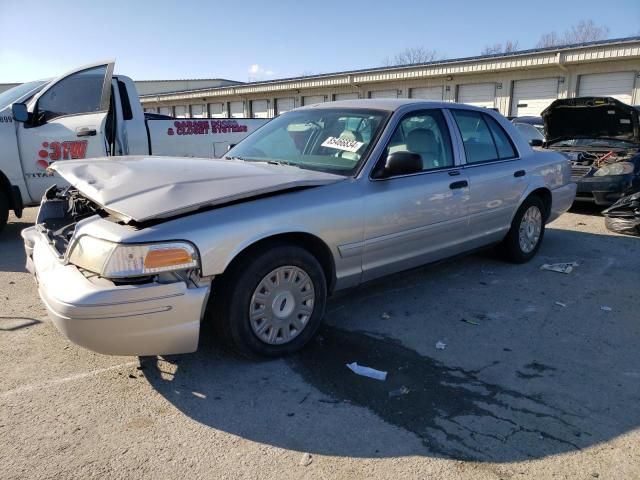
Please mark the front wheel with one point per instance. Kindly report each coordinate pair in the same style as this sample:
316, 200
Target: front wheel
526, 233
271, 304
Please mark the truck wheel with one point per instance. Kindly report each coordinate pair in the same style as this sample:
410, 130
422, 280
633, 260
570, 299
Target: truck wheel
271, 304
4, 210
526, 233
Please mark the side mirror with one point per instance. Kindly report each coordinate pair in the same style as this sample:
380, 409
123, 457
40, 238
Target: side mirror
536, 142
402, 163
20, 112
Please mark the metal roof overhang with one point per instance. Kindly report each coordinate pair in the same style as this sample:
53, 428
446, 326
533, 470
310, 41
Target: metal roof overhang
622, 49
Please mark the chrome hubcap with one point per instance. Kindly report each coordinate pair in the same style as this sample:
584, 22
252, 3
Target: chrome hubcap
530, 228
281, 305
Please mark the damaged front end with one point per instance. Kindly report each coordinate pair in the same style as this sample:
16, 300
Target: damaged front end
601, 138
59, 213
63, 210
603, 175
109, 295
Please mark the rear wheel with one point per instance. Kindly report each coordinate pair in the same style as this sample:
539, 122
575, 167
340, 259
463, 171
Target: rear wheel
527, 231
4, 210
271, 304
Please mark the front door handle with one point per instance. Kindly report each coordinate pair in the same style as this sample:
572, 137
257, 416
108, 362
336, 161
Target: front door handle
460, 184
519, 173
86, 132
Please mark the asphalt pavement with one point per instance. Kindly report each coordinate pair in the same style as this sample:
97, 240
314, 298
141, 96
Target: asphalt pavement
537, 376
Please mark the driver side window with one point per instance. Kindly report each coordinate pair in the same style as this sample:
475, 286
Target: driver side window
426, 134
80, 92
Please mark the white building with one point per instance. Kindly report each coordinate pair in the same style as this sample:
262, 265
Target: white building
516, 84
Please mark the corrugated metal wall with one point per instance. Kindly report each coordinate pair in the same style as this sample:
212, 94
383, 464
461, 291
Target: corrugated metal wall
439, 81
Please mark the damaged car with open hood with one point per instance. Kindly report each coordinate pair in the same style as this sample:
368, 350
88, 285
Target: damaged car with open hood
601, 137
138, 252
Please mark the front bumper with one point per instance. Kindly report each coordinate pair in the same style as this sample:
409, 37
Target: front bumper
145, 319
606, 190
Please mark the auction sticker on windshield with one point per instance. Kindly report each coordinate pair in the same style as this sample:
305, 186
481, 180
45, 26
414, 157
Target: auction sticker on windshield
342, 144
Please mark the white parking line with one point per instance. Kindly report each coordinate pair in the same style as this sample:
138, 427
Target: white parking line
59, 381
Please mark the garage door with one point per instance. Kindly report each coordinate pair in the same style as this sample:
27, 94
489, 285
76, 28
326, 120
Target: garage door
236, 109
216, 110
478, 94
181, 111
531, 97
383, 94
345, 96
260, 108
198, 111
311, 99
284, 105
166, 111
618, 85
427, 93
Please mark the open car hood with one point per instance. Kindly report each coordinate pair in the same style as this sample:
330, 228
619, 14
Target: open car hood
591, 117
144, 188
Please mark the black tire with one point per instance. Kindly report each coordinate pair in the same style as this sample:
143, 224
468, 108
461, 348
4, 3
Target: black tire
233, 300
4, 210
510, 247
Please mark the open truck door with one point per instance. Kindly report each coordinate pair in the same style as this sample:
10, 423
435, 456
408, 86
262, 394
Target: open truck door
67, 120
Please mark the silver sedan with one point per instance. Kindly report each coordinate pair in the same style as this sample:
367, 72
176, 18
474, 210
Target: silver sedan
139, 251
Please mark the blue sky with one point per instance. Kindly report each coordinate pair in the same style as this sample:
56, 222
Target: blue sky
272, 39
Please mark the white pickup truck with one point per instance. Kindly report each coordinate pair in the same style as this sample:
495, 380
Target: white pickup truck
85, 113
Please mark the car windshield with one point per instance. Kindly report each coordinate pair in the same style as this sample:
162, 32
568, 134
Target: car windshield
595, 142
333, 140
13, 94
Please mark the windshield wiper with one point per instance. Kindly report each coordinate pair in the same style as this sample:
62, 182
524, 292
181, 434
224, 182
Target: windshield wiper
227, 157
282, 162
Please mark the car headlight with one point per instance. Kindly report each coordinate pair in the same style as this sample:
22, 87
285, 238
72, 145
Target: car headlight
118, 260
620, 168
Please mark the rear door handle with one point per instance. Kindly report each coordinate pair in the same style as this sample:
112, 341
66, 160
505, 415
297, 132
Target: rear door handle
460, 184
519, 173
86, 132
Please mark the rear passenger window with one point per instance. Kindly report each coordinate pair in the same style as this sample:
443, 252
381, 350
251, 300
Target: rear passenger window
484, 140
503, 144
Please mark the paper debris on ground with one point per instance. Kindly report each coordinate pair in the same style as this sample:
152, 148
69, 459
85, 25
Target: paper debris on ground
440, 345
560, 304
604, 308
367, 371
385, 316
559, 267
399, 392
305, 460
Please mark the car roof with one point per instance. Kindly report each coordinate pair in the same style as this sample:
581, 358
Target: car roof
530, 120
389, 104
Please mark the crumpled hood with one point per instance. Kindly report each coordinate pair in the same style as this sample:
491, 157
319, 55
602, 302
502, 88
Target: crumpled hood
143, 188
591, 117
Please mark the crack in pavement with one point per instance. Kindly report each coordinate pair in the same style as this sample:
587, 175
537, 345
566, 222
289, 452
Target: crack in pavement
452, 410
